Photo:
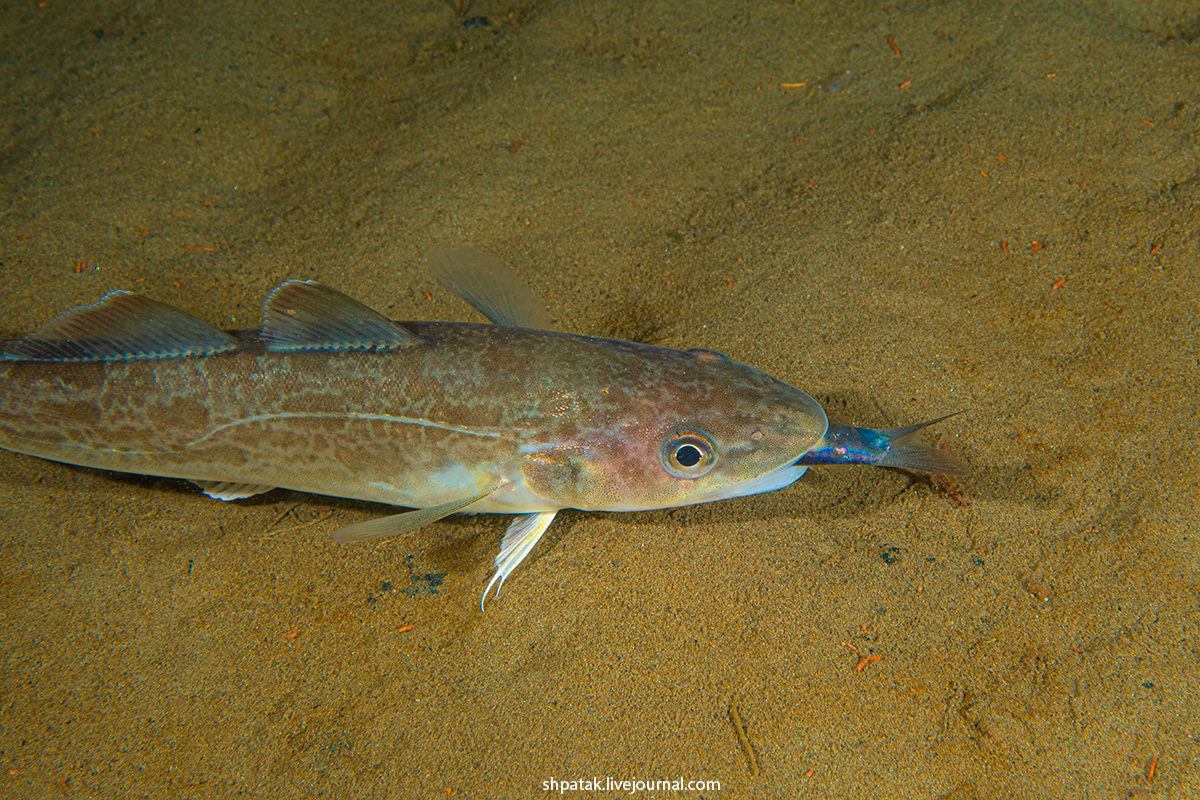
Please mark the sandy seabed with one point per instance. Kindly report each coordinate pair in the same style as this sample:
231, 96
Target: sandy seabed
904, 209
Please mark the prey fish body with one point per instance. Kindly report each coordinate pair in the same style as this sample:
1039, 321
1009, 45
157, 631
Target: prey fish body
329, 397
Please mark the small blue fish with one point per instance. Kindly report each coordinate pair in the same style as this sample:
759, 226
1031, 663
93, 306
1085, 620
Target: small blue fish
842, 444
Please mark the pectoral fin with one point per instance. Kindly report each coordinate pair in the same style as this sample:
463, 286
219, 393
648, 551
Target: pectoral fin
397, 524
519, 539
492, 288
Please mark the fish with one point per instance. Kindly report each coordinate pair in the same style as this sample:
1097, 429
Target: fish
330, 397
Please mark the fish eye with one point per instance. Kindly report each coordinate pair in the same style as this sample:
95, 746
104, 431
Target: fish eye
688, 453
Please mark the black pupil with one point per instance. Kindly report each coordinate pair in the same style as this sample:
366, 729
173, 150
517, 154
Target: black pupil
688, 455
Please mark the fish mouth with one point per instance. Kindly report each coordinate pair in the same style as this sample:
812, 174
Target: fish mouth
800, 460
778, 478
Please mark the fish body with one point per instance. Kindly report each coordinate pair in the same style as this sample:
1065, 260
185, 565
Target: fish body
329, 397
562, 421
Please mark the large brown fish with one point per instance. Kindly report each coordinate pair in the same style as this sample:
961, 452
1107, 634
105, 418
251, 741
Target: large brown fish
328, 396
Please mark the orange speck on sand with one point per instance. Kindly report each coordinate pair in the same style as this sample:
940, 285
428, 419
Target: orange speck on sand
862, 662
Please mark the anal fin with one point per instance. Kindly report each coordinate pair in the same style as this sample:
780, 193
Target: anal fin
230, 490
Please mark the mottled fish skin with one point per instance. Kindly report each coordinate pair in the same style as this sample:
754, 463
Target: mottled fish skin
566, 421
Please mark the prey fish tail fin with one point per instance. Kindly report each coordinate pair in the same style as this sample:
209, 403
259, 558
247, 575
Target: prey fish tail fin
919, 457
886, 447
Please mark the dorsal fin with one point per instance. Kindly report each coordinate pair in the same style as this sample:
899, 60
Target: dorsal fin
303, 315
492, 288
121, 326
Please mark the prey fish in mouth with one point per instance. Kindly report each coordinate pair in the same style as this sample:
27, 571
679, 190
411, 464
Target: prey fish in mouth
330, 397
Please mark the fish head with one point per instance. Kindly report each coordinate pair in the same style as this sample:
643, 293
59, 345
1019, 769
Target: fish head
683, 427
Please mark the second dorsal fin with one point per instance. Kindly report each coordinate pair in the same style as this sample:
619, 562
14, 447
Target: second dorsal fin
303, 315
121, 326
